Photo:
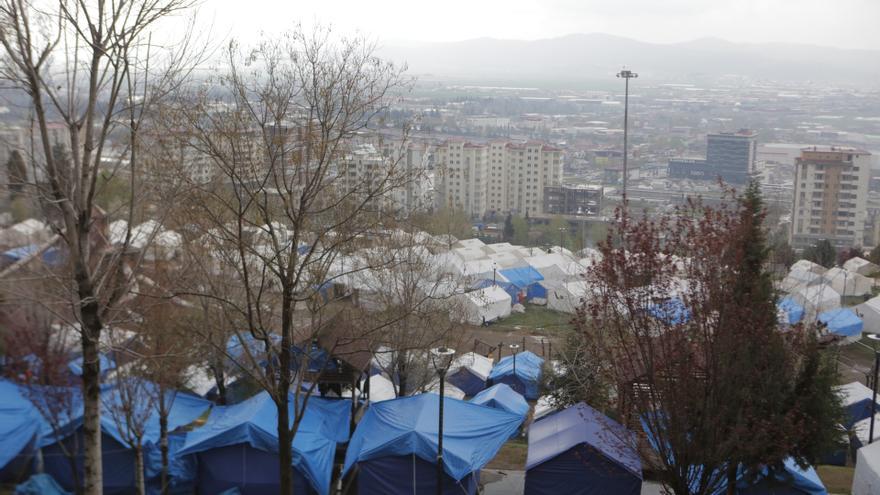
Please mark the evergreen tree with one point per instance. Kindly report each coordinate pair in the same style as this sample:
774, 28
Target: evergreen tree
16, 172
822, 253
508, 228
874, 256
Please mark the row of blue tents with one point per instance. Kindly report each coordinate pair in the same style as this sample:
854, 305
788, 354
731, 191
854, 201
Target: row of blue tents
522, 372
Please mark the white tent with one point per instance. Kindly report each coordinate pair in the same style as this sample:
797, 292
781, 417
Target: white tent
854, 392
469, 253
870, 313
469, 243
508, 259
799, 279
866, 479
862, 430
486, 305
478, 364
861, 266
809, 266
567, 297
482, 269
381, 389
198, 380
848, 283
449, 390
817, 299
30, 231
117, 231
499, 247
543, 407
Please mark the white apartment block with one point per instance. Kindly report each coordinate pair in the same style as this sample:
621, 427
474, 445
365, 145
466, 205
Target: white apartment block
830, 196
498, 177
403, 170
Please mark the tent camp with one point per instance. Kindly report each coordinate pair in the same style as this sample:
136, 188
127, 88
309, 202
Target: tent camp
30, 231
501, 396
848, 283
486, 305
469, 372
19, 432
790, 480
866, 480
381, 388
118, 458
581, 451
861, 266
522, 372
842, 322
799, 279
856, 401
567, 297
672, 311
817, 299
508, 287
789, 311
237, 447
395, 445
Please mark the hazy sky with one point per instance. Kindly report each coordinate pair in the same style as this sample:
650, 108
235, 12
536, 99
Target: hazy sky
840, 23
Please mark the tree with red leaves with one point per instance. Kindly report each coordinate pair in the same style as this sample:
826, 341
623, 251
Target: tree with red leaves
683, 319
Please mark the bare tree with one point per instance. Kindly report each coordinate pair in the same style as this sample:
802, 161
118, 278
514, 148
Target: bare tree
277, 218
86, 65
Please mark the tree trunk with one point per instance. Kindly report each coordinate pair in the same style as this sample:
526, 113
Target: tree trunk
163, 441
285, 436
731, 479
139, 484
285, 451
91, 383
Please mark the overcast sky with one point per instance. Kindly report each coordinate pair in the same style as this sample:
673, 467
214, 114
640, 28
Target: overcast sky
838, 23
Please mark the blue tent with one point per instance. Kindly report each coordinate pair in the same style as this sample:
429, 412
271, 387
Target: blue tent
51, 256
522, 372
40, 484
793, 311
238, 446
525, 278
241, 350
395, 445
117, 456
671, 311
501, 396
790, 480
469, 372
856, 400
19, 432
508, 287
581, 451
842, 321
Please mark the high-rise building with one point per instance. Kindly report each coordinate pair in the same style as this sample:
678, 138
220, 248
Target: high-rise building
498, 178
731, 155
830, 196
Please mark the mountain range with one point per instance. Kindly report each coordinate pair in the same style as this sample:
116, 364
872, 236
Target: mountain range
582, 57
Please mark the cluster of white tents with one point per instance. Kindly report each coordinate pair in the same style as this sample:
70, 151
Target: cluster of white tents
818, 289
30, 231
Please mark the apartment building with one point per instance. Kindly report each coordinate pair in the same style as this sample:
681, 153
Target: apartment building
498, 177
397, 175
830, 196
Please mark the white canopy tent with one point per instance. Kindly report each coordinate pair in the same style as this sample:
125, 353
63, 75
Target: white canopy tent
449, 390
861, 266
866, 479
862, 430
870, 313
567, 297
853, 393
486, 305
469, 243
798, 279
381, 389
30, 231
478, 364
809, 266
848, 283
817, 299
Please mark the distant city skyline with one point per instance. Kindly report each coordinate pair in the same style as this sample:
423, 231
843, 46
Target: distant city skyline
850, 24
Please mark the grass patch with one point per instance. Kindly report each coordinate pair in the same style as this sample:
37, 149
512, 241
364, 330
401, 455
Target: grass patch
837, 479
538, 318
512, 456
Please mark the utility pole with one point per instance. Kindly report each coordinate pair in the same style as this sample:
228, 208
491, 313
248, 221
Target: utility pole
626, 75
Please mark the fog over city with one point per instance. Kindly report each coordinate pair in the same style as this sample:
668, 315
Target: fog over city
390, 247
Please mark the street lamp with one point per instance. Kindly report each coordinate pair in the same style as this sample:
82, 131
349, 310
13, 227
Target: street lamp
442, 359
513, 349
626, 75
561, 236
876, 338
494, 270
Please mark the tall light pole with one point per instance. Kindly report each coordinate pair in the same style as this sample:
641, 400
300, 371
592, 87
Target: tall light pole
513, 349
876, 338
442, 358
626, 74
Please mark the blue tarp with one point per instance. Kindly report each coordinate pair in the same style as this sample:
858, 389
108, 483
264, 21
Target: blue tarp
116, 453
472, 435
51, 256
253, 424
583, 452
671, 311
40, 484
842, 321
106, 362
793, 311
536, 291
501, 396
792, 479
19, 430
522, 277
240, 351
526, 378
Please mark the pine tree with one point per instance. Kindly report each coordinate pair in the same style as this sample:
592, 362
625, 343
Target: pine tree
508, 228
16, 172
